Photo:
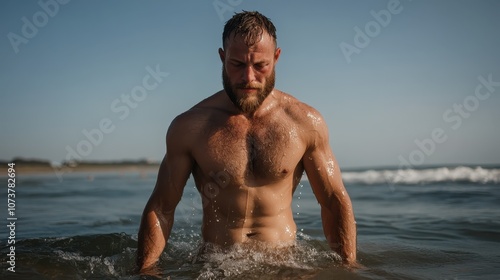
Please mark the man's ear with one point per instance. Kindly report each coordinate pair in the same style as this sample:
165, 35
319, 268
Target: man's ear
277, 54
222, 55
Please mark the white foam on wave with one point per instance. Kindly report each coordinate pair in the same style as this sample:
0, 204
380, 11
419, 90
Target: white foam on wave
89, 265
463, 174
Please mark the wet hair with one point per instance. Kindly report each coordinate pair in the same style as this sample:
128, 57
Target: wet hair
250, 25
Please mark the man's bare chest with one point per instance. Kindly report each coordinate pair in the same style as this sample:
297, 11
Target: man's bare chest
265, 151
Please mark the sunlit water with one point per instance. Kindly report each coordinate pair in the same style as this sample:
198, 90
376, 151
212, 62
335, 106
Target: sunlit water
445, 225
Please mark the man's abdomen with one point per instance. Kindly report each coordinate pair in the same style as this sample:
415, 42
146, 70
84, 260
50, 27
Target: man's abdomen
279, 229
241, 214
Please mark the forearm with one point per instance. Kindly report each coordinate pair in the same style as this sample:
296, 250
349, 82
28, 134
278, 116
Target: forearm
339, 227
152, 238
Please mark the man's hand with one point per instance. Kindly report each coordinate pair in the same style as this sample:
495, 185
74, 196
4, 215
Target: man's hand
153, 271
151, 239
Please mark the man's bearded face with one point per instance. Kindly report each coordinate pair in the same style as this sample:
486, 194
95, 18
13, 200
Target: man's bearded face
247, 96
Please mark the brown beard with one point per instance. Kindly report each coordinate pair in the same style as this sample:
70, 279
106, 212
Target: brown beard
247, 104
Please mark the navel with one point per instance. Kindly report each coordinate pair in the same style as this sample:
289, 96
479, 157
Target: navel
250, 234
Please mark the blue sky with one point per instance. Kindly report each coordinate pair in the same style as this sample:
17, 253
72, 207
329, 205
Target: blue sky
402, 92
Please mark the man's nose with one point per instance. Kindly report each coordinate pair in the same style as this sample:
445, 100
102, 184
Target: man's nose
248, 74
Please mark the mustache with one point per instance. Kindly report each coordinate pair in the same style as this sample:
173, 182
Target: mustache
248, 86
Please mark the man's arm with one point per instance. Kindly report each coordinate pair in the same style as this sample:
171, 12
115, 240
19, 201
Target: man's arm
324, 175
158, 216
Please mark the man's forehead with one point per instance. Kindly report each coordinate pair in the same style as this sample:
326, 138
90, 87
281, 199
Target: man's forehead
236, 44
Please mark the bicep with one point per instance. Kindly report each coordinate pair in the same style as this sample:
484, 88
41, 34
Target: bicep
173, 174
324, 175
322, 169
172, 178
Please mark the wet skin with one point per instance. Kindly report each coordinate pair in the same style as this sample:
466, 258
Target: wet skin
247, 172
247, 164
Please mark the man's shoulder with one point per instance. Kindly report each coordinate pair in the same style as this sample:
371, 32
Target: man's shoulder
307, 118
299, 111
199, 115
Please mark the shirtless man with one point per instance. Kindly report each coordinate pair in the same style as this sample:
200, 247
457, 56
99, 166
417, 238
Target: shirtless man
247, 147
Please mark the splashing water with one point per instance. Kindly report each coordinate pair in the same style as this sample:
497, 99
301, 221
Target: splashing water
75, 257
259, 260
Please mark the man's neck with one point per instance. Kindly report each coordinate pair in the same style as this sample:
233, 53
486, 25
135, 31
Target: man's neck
266, 107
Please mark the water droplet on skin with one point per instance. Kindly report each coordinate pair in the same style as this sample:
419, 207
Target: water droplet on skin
315, 119
330, 168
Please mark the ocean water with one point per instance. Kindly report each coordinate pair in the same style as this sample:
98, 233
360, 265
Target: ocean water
430, 223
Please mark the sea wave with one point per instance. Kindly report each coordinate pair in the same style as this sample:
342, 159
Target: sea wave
458, 174
112, 256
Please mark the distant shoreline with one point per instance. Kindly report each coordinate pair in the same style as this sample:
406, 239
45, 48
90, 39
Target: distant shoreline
22, 169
